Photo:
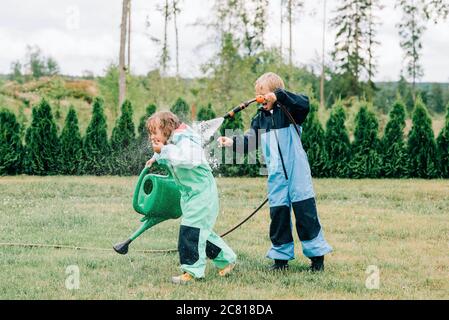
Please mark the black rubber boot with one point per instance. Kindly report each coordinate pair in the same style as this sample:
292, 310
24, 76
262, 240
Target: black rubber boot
122, 247
279, 265
317, 264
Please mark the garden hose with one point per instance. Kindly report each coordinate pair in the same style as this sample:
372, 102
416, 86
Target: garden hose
60, 246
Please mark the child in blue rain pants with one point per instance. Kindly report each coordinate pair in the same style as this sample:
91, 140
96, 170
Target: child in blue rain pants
289, 177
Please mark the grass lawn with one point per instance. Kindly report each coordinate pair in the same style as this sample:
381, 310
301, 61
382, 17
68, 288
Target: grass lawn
399, 226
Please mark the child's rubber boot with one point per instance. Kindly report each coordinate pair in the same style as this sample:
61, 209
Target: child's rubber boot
317, 264
226, 270
182, 279
279, 265
122, 247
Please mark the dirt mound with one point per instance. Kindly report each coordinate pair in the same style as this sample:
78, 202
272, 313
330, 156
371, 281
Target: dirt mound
52, 87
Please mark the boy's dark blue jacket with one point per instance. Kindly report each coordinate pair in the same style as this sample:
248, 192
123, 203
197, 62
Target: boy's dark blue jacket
265, 121
296, 104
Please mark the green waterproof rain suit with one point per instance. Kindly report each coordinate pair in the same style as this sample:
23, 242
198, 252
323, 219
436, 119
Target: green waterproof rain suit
185, 158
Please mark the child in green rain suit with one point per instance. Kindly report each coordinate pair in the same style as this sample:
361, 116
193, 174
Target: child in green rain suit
178, 147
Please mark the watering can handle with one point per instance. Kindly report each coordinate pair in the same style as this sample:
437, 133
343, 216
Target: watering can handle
139, 183
144, 172
141, 179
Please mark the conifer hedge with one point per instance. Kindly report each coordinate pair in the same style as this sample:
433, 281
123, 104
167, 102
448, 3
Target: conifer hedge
331, 154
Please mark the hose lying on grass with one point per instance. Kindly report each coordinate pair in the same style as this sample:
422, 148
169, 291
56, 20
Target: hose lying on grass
60, 246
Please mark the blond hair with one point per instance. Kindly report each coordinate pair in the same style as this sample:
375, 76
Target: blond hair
166, 121
269, 82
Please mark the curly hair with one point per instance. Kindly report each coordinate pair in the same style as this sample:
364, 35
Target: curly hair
166, 121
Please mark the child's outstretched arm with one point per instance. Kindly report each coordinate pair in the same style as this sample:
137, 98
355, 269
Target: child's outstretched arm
250, 136
297, 105
185, 153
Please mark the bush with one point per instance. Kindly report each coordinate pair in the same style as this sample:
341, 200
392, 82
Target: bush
443, 148
11, 149
95, 146
421, 147
313, 141
393, 149
365, 159
71, 145
206, 113
230, 169
124, 144
142, 130
182, 110
144, 150
337, 143
42, 143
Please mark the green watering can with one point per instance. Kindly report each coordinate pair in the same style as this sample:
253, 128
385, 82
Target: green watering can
157, 198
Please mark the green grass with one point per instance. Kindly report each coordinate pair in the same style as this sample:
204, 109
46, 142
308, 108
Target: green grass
402, 227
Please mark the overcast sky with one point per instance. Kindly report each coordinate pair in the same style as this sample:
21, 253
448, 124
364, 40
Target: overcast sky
84, 35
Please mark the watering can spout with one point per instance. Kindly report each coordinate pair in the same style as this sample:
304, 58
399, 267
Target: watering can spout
157, 197
122, 247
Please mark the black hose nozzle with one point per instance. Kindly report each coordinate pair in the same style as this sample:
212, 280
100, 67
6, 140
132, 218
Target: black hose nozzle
237, 109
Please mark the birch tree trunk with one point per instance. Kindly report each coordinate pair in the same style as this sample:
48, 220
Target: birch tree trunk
175, 13
290, 21
322, 56
129, 36
282, 26
122, 66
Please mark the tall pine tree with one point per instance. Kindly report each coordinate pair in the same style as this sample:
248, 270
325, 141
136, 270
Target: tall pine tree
123, 142
411, 28
404, 90
313, 141
42, 142
365, 159
97, 150
123, 134
142, 130
229, 156
394, 153
206, 113
421, 147
71, 145
144, 151
182, 110
337, 143
11, 149
443, 149
356, 30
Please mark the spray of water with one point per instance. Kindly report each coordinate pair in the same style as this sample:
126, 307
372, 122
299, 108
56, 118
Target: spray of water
207, 129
